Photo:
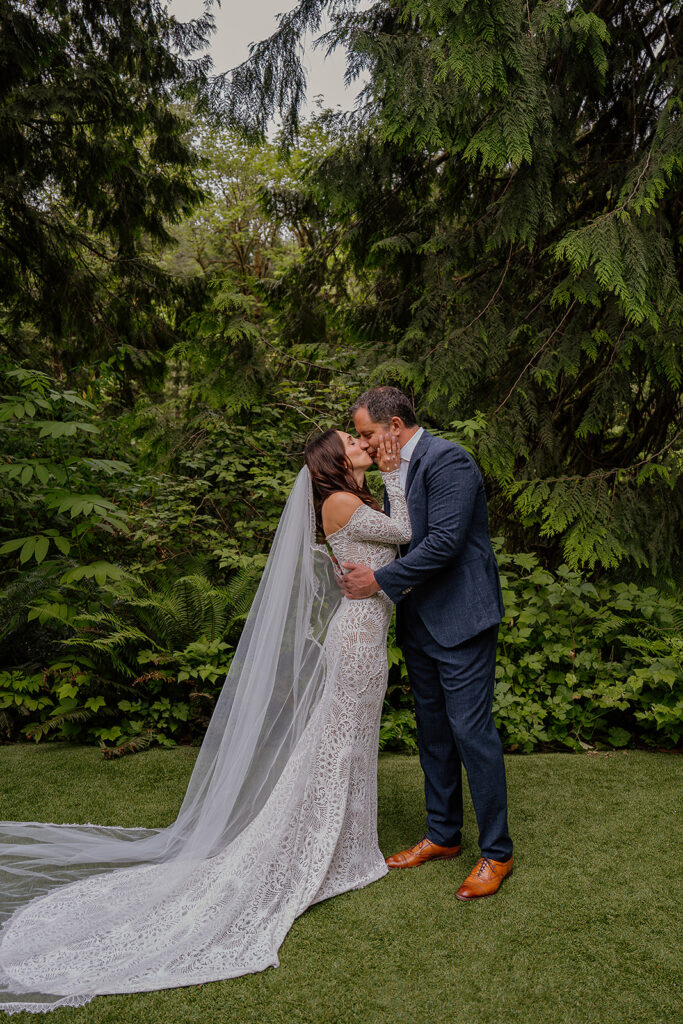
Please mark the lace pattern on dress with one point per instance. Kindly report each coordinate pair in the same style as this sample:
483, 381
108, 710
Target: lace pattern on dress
186, 922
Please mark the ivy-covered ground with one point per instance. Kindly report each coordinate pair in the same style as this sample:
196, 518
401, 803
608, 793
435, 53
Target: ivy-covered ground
583, 932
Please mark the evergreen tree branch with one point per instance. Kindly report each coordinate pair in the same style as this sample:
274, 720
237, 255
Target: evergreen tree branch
535, 356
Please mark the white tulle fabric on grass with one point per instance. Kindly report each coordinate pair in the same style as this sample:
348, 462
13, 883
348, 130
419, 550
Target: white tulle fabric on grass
280, 810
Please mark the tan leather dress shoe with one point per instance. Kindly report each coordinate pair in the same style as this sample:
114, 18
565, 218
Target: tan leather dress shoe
420, 853
485, 878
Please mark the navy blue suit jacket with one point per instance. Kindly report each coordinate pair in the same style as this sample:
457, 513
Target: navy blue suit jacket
448, 573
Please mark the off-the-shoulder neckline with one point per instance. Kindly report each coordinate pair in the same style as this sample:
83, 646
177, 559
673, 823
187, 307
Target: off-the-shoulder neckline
335, 532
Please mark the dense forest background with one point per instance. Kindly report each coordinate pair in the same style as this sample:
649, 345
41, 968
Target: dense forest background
185, 299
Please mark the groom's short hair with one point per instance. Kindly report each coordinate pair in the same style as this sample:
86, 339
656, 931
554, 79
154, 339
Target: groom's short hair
384, 402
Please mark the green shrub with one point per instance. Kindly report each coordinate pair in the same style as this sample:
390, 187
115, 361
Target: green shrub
579, 664
145, 666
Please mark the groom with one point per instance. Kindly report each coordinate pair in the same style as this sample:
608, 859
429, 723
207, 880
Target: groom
448, 608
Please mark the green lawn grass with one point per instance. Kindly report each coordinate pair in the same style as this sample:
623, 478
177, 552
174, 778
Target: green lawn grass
587, 929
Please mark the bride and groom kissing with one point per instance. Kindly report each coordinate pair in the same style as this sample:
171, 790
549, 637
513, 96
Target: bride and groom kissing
446, 589
281, 808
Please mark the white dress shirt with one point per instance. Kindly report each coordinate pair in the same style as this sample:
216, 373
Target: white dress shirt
406, 455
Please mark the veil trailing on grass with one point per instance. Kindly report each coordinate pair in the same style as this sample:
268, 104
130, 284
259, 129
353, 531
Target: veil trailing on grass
274, 683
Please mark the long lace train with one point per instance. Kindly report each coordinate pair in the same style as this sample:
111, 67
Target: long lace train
196, 918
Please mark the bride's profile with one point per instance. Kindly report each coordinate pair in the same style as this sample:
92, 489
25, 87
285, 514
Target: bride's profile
281, 808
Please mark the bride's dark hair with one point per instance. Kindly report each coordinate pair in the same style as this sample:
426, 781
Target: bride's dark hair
331, 471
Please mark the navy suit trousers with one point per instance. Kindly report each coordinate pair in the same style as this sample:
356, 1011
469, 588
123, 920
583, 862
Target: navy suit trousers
453, 692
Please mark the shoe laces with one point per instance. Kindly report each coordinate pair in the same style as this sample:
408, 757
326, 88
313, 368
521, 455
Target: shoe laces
484, 863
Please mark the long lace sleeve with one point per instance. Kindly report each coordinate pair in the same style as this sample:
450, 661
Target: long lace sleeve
368, 524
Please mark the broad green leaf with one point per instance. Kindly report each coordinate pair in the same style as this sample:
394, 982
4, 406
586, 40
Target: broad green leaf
42, 545
12, 545
95, 703
28, 549
618, 737
100, 571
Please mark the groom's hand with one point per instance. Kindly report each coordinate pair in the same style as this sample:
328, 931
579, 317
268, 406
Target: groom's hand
358, 581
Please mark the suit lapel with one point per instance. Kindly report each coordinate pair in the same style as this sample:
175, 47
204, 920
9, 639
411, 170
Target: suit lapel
420, 449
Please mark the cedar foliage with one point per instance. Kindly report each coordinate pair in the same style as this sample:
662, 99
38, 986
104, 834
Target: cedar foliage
94, 166
507, 194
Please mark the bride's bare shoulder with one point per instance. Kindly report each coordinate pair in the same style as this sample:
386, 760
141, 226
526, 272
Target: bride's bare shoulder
337, 509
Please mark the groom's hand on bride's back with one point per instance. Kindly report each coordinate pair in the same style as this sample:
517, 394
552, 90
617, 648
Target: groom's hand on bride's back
358, 581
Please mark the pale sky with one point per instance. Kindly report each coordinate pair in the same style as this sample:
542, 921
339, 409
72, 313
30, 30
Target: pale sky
239, 23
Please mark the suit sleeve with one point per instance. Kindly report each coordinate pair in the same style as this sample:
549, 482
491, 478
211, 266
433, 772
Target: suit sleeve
452, 485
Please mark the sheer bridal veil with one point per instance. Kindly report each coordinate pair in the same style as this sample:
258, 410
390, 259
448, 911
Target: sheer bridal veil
274, 682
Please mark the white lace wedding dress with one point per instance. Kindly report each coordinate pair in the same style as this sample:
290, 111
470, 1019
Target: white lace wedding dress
180, 923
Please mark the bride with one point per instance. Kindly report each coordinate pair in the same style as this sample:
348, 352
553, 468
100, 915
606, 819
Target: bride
281, 808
